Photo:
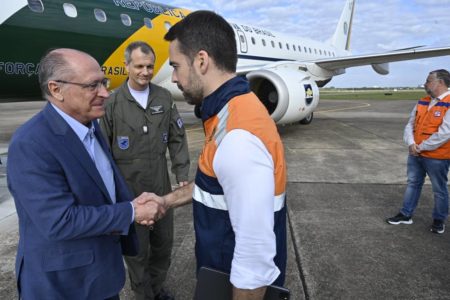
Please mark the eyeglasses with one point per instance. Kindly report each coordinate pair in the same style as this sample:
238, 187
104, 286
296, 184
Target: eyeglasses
93, 86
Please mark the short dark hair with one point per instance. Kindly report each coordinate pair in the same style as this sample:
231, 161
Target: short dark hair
208, 31
145, 48
442, 74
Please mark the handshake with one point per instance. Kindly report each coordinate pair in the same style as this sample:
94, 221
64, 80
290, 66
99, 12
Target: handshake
149, 208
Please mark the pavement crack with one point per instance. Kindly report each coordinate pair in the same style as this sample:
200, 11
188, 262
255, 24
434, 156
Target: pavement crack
297, 259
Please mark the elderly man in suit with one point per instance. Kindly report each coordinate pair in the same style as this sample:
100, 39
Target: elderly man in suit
75, 211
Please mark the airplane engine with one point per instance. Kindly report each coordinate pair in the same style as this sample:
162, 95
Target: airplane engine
288, 94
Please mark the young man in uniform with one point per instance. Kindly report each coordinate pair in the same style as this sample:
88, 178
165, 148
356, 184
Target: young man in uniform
140, 123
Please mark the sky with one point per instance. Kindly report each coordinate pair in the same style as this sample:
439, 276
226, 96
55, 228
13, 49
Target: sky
378, 26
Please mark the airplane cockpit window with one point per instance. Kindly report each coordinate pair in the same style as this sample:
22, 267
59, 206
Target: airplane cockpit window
100, 15
167, 25
36, 5
126, 20
70, 10
148, 22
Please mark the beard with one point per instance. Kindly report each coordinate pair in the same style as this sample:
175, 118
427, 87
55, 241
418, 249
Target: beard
193, 91
429, 92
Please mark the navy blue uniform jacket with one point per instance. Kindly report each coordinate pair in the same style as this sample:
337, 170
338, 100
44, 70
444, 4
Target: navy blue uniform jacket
70, 245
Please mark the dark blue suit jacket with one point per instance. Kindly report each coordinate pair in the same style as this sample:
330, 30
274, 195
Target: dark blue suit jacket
70, 244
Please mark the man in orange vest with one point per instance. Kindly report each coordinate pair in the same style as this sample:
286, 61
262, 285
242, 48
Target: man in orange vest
428, 136
239, 199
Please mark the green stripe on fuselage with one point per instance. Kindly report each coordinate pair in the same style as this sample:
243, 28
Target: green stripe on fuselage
27, 35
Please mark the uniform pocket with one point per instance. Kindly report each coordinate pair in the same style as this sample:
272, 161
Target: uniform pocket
65, 261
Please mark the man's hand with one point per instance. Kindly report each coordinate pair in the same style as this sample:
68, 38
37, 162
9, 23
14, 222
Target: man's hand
147, 209
183, 183
414, 150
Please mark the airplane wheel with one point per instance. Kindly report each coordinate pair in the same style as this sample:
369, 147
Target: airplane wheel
307, 120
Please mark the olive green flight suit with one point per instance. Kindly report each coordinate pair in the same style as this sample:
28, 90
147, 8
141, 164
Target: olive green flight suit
139, 139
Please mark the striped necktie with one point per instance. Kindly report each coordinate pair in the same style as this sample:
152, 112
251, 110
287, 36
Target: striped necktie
102, 163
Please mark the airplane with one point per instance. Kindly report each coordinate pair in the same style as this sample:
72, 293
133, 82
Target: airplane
284, 71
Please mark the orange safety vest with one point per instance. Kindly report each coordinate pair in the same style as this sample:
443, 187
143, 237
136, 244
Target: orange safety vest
244, 112
427, 122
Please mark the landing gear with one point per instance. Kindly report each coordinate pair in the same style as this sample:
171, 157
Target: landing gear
307, 120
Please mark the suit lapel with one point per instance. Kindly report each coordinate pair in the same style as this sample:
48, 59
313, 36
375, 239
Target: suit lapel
73, 145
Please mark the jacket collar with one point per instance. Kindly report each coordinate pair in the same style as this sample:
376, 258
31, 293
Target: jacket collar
214, 102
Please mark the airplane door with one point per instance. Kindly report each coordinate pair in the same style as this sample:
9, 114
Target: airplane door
242, 40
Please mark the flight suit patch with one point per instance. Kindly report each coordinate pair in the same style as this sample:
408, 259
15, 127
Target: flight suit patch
437, 114
158, 109
180, 123
165, 137
123, 142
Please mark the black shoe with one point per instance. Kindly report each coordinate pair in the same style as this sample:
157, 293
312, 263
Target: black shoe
399, 219
164, 295
437, 226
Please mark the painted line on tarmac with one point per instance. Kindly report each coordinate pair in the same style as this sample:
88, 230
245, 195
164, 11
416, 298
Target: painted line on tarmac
344, 108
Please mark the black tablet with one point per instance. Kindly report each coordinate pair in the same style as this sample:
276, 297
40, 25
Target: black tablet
213, 284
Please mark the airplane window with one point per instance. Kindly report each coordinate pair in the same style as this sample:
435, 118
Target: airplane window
100, 15
310, 50
167, 25
36, 5
263, 42
287, 46
126, 20
320, 51
148, 22
315, 50
273, 44
253, 41
241, 37
279, 44
299, 48
70, 10
304, 48
293, 47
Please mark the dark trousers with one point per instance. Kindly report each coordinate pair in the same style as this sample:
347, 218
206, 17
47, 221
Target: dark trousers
148, 270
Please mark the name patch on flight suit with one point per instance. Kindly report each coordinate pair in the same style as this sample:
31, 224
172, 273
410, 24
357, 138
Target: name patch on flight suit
165, 137
123, 142
437, 114
158, 109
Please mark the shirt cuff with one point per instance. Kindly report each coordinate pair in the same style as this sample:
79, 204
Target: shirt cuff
132, 212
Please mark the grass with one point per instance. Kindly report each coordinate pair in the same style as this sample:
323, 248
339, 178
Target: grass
387, 94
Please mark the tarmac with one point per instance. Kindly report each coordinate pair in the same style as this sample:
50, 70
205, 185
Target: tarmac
346, 174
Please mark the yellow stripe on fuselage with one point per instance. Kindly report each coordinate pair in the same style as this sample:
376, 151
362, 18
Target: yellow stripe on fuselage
114, 66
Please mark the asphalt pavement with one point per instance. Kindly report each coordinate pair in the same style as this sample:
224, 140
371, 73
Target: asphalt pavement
346, 174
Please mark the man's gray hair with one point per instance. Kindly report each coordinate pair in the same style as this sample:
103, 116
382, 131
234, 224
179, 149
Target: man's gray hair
53, 66
442, 74
145, 48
